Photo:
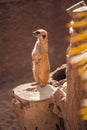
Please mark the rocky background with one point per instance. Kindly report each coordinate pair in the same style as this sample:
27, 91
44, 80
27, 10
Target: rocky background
18, 18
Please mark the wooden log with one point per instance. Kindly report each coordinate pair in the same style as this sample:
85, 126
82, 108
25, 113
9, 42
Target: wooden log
34, 107
78, 5
73, 98
58, 79
58, 76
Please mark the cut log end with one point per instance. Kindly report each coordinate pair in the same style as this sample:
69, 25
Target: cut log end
34, 93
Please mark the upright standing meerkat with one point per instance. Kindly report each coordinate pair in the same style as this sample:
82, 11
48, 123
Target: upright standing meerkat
41, 65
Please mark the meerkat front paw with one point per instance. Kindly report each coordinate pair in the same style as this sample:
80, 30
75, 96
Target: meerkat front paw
42, 84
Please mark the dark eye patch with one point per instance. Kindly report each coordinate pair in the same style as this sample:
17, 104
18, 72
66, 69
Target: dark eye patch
37, 32
44, 36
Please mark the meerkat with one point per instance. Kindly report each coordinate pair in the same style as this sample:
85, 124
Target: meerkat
40, 59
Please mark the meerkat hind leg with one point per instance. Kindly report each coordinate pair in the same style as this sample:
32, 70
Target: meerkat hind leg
44, 79
36, 77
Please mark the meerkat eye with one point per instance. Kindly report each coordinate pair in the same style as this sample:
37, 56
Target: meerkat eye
37, 32
44, 36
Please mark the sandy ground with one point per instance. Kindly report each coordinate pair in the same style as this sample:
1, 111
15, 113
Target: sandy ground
7, 116
8, 120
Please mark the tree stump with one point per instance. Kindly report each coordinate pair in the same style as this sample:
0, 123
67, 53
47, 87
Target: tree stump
34, 107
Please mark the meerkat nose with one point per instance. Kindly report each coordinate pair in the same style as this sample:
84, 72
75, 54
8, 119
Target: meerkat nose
33, 33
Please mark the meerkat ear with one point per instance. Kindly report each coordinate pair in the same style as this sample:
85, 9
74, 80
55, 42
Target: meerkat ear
44, 36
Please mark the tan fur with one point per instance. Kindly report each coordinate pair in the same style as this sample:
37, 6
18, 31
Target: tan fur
41, 66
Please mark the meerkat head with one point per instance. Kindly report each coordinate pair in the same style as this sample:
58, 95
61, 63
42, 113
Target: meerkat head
40, 34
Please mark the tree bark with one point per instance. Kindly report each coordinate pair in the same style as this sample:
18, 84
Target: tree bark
73, 97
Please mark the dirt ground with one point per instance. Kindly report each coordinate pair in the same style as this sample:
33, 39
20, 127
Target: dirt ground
17, 21
7, 117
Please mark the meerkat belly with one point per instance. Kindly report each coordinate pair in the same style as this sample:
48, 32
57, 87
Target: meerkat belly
44, 63
44, 69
